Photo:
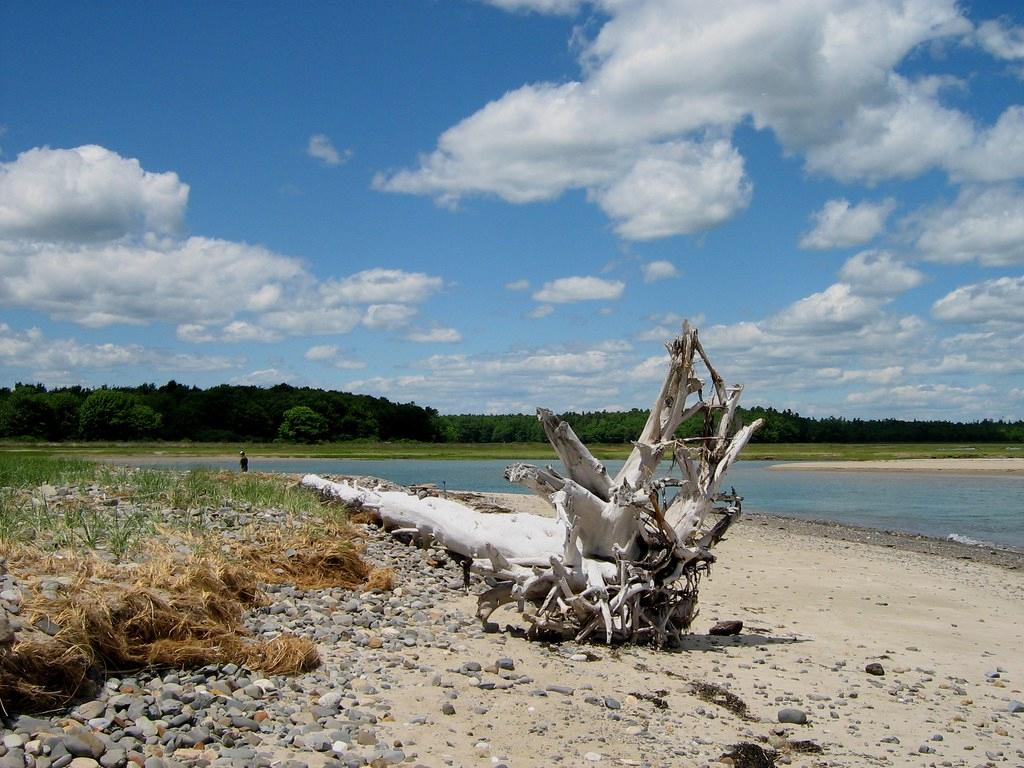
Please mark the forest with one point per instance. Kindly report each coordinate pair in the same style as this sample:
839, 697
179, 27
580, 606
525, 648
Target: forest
230, 413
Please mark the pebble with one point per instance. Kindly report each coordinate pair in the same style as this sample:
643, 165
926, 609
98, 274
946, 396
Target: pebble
874, 668
792, 715
341, 715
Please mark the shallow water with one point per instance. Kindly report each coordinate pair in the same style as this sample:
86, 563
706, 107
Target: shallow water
972, 508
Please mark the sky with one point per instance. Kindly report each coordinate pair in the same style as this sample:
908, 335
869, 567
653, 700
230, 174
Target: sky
488, 206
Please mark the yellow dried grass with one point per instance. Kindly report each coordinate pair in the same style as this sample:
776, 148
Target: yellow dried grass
170, 609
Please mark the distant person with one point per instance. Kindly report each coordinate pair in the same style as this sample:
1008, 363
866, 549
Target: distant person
243, 461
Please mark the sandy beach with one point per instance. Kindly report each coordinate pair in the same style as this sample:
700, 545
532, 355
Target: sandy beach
980, 466
409, 676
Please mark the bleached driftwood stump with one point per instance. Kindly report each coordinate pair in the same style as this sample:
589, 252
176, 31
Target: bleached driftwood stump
616, 559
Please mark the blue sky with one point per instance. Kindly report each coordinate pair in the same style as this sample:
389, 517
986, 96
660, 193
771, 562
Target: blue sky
493, 206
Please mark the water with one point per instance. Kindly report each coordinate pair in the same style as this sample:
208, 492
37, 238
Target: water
971, 508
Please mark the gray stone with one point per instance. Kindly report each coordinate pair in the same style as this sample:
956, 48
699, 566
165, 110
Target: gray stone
1015, 707
792, 715
447, 708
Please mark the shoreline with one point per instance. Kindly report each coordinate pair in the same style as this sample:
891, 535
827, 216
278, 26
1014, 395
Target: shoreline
903, 541
976, 466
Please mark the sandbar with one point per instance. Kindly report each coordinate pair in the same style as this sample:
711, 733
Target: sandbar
986, 466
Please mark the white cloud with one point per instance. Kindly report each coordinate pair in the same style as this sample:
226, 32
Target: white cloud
86, 194
321, 352
654, 271
998, 152
840, 225
676, 189
330, 353
562, 7
999, 300
196, 281
837, 307
560, 378
59, 361
266, 377
312, 321
518, 285
1001, 38
86, 236
664, 82
435, 336
983, 224
540, 311
243, 331
381, 286
565, 290
900, 136
878, 273
321, 148
388, 316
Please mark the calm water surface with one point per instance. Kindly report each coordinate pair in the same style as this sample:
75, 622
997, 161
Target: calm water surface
973, 508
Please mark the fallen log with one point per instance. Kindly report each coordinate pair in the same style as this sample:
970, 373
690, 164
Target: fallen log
623, 556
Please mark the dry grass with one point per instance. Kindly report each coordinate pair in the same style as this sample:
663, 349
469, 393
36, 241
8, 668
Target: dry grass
182, 604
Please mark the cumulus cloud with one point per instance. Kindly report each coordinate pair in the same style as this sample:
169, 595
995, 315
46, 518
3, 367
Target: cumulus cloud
1001, 38
333, 355
540, 311
566, 290
654, 271
62, 360
86, 194
840, 225
583, 378
561, 7
983, 224
388, 316
87, 236
676, 189
663, 83
197, 281
436, 335
998, 153
879, 273
837, 307
381, 286
321, 148
999, 300
518, 285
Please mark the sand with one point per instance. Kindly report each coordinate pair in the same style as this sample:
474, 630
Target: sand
949, 466
816, 611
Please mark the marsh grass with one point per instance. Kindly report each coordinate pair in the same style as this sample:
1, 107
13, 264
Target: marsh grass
131, 502
150, 584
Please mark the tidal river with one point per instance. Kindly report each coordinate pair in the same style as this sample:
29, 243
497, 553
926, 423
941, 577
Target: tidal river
981, 509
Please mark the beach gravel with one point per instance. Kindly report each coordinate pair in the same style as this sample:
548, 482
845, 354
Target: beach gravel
410, 678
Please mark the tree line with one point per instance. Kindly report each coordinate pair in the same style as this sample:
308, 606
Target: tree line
224, 413
229, 413
779, 427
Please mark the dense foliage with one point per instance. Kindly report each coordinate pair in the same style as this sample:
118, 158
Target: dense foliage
293, 414
222, 413
779, 427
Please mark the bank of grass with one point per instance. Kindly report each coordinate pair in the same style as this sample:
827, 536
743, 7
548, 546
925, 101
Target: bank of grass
365, 449
123, 568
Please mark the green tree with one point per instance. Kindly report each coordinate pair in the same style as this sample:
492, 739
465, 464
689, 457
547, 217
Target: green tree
26, 413
302, 424
109, 414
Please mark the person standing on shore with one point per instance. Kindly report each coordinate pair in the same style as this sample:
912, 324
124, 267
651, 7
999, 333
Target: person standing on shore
243, 461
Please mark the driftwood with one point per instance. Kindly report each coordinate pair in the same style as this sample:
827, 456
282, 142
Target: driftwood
623, 556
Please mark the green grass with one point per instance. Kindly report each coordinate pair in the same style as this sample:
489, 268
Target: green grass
137, 501
363, 449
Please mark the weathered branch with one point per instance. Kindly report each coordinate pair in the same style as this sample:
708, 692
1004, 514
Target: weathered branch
615, 562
